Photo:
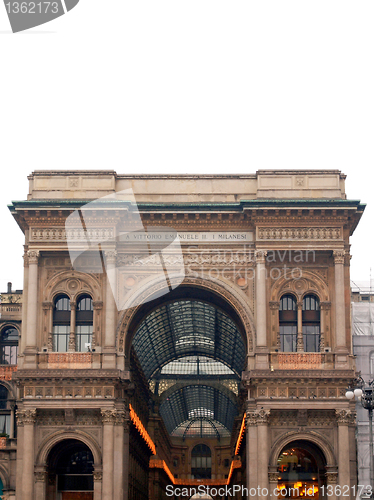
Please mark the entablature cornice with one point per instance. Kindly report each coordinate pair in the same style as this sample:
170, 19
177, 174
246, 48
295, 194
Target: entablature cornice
64, 376
300, 376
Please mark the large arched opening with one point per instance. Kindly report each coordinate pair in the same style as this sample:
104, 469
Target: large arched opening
190, 349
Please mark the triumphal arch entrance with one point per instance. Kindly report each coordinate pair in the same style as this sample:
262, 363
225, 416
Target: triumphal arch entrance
185, 335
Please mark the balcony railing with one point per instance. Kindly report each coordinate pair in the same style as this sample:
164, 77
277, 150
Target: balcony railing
70, 360
6, 371
300, 361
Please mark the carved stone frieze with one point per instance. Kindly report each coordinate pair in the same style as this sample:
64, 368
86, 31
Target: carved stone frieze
299, 233
74, 235
197, 258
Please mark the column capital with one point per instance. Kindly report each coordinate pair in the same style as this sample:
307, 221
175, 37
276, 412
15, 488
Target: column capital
345, 417
339, 256
33, 256
331, 477
274, 304
121, 417
110, 256
273, 477
98, 475
26, 416
97, 304
108, 416
47, 306
325, 306
260, 256
257, 417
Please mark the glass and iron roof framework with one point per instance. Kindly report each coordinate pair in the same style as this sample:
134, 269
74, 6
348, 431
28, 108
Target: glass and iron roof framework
192, 339
188, 328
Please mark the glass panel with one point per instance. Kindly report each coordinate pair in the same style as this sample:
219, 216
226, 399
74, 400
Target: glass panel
85, 304
8, 354
310, 303
62, 303
83, 336
3, 397
9, 335
188, 328
5, 424
61, 338
287, 303
288, 337
311, 338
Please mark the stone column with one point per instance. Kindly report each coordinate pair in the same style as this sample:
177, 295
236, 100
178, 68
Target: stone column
262, 358
119, 459
22, 344
109, 360
262, 418
340, 334
126, 455
98, 480
108, 419
251, 450
331, 482
344, 418
32, 309
325, 307
73, 314
48, 325
11, 430
26, 418
300, 340
273, 481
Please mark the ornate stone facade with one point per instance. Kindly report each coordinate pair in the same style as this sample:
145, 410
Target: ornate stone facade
244, 243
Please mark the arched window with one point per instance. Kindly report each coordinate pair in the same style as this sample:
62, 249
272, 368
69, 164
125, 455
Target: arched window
4, 411
201, 462
9, 346
288, 323
84, 323
311, 323
71, 466
61, 323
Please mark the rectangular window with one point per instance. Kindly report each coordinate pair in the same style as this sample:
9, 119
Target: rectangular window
83, 336
311, 338
8, 354
61, 338
288, 337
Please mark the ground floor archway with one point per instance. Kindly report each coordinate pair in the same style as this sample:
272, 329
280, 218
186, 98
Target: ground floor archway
70, 469
301, 471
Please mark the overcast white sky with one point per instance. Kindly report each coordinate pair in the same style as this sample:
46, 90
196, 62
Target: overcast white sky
195, 86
